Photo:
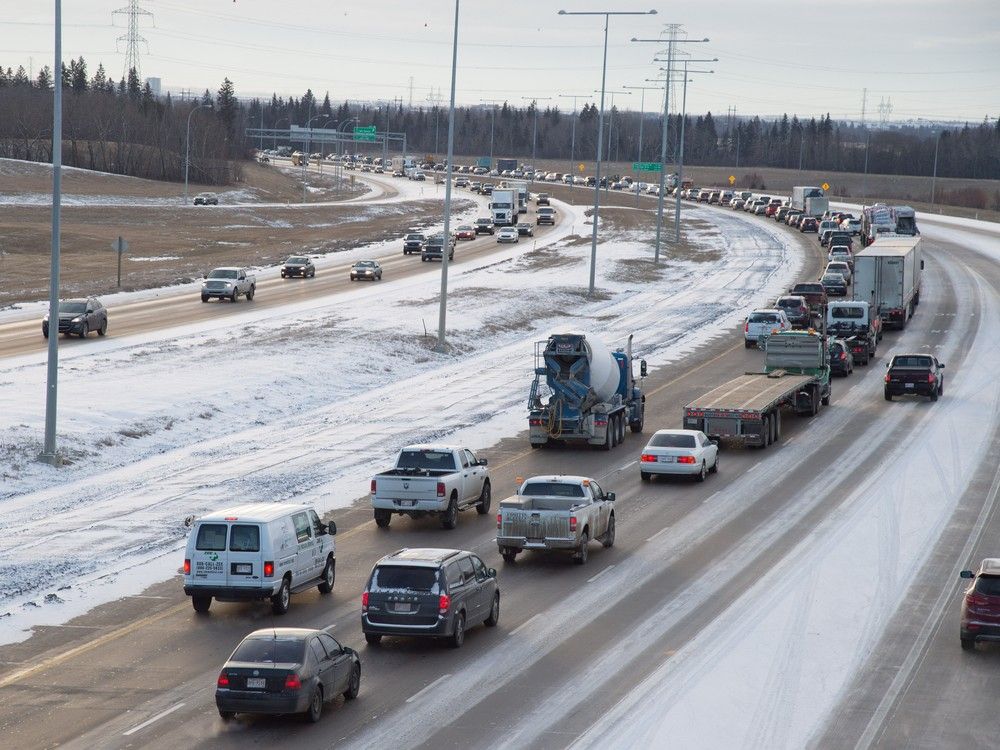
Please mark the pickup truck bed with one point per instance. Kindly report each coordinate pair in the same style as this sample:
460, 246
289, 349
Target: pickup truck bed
750, 392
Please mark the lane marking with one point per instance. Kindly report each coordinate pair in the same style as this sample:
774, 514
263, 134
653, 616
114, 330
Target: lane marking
146, 723
630, 463
525, 624
433, 685
753, 468
594, 578
659, 533
712, 496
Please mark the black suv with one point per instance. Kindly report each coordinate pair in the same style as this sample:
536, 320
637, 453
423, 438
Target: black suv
429, 592
918, 374
413, 243
485, 226
80, 316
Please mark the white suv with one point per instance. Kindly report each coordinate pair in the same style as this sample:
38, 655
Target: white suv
762, 323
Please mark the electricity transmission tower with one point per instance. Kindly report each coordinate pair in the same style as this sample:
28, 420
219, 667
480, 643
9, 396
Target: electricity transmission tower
132, 37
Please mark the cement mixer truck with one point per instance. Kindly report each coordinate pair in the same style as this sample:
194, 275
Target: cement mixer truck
583, 393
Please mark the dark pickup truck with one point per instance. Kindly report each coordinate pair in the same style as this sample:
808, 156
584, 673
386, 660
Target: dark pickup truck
413, 243
916, 374
484, 226
813, 291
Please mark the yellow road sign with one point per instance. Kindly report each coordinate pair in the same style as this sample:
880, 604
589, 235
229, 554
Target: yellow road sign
732, 179
580, 167
825, 186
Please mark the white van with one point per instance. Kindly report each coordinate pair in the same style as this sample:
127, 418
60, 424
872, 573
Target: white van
259, 551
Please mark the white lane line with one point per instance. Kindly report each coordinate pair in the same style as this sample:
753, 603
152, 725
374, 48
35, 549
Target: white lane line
659, 533
788, 442
594, 578
711, 497
146, 723
753, 468
525, 624
433, 685
630, 463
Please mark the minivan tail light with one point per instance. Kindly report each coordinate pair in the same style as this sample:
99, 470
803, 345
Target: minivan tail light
268, 568
930, 377
293, 682
440, 489
223, 680
444, 603
364, 600
499, 519
373, 487
572, 523
887, 378
187, 566
976, 600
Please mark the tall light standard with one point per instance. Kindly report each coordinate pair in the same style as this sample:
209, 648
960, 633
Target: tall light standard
937, 143
572, 138
666, 122
340, 168
680, 157
308, 155
187, 148
600, 124
48, 454
642, 116
274, 140
493, 121
534, 127
611, 119
446, 247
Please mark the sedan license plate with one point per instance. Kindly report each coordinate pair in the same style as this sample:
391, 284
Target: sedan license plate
908, 385
256, 682
666, 459
243, 568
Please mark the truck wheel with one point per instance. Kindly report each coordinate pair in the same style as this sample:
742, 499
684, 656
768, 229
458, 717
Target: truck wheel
621, 429
765, 433
888, 396
607, 438
449, 518
637, 426
509, 554
281, 600
232, 297
382, 518
828, 396
483, 507
204, 298
328, 577
609, 535
581, 553
934, 395
250, 294
201, 603
373, 639
968, 644
645, 476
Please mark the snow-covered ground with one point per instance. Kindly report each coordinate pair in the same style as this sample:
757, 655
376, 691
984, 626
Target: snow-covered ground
305, 402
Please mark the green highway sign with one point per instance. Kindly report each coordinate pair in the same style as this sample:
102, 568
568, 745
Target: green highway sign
364, 133
646, 166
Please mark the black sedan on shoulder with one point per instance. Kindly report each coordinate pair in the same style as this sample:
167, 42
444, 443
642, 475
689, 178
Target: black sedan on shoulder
80, 316
917, 374
298, 265
286, 671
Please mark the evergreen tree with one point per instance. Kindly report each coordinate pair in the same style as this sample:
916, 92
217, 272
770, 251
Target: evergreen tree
147, 100
78, 75
100, 81
227, 105
134, 86
44, 79
21, 77
206, 98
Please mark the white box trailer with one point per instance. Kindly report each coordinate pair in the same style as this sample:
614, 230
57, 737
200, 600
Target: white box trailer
887, 275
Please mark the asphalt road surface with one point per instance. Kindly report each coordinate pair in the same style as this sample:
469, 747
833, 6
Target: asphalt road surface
572, 640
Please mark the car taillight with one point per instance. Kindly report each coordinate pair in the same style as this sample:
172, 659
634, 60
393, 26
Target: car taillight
364, 600
440, 489
843, 355
373, 487
647, 458
572, 523
187, 567
535, 422
746, 327
444, 603
976, 600
268, 568
499, 518
293, 682
223, 680
930, 377
685, 459
887, 378
600, 422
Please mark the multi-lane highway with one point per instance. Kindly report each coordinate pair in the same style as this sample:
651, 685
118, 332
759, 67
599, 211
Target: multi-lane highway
574, 641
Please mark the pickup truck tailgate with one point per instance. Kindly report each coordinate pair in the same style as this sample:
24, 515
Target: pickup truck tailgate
406, 488
534, 525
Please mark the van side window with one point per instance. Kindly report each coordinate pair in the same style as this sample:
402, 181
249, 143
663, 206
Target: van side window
211, 537
244, 538
480, 568
303, 532
316, 523
468, 572
453, 575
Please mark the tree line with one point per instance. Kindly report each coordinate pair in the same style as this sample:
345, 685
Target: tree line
121, 127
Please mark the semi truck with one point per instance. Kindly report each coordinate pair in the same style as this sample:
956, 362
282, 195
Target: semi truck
748, 409
403, 163
811, 201
506, 165
592, 393
521, 186
887, 276
503, 207
880, 219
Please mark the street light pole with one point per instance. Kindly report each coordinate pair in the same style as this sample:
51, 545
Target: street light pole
187, 148
680, 155
305, 161
340, 170
49, 454
600, 127
611, 125
642, 116
534, 128
446, 246
493, 121
572, 138
937, 143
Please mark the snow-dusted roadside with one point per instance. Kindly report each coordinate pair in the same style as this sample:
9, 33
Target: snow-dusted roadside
306, 402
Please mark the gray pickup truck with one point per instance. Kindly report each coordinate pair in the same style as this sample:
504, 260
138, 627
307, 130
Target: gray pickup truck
438, 480
228, 283
556, 513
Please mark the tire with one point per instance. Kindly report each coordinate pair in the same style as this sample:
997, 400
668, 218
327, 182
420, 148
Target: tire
449, 518
373, 639
457, 637
281, 600
84, 331
329, 576
934, 395
700, 476
382, 518
582, 552
509, 554
201, 603
645, 476
103, 330
494, 617
204, 298
637, 426
609, 536
315, 710
354, 683
227, 715
232, 297
747, 344
827, 397
715, 466
968, 644
941, 388
45, 333
485, 497
613, 430
251, 293
888, 396
765, 433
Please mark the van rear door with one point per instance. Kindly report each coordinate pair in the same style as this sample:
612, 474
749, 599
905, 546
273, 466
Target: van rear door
244, 561
209, 561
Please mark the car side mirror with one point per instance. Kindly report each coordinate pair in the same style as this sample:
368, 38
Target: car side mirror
643, 369
921, 265
887, 365
610, 497
966, 574
204, 276
331, 528
941, 365
491, 572
483, 462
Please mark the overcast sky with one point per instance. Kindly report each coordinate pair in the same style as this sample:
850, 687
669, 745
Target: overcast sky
936, 59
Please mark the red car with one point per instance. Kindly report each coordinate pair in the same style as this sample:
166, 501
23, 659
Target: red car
808, 224
465, 233
981, 605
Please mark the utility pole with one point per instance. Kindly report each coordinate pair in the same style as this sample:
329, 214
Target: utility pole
534, 127
446, 247
611, 122
572, 138
680, 148
642, 116
132, 37
937, 143
493, 121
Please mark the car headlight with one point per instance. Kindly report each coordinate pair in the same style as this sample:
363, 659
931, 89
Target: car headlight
77, 319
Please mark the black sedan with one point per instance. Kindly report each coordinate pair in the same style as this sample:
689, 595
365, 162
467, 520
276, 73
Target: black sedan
80, 316
286, 671
841, 357
484, 226
366, 269
917, 374
298, 265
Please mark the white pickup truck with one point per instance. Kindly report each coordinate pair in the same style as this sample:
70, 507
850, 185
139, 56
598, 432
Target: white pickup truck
228, 283
427, 480
556, 513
